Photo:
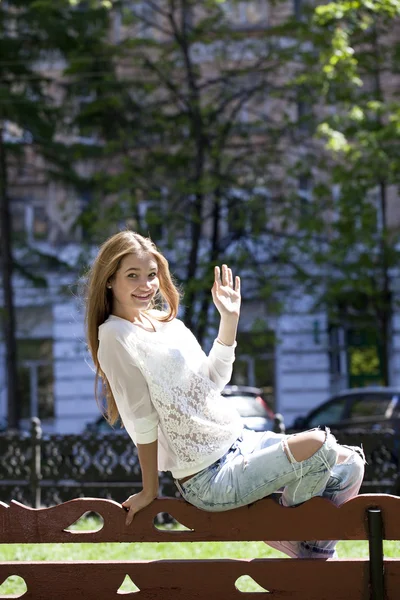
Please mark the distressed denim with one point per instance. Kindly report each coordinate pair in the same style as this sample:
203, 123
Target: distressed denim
256, 466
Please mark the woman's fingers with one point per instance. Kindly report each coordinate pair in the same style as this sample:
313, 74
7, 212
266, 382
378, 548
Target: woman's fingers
217, 274
237, 284
223, 276
230, 278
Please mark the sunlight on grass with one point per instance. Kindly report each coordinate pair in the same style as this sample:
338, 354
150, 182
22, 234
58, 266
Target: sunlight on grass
157, 551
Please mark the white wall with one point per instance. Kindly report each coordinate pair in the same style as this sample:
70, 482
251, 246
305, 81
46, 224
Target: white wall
302, 364
74, 378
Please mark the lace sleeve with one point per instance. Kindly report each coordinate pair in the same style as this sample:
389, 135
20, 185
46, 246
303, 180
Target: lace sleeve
218, 365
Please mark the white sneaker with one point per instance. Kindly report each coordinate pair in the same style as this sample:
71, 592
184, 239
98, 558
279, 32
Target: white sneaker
290, 548
294, 550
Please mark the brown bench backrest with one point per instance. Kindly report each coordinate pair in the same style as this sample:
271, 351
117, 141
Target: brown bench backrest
209, 579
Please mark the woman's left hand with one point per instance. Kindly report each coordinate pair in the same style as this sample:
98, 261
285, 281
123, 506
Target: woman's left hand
226, 297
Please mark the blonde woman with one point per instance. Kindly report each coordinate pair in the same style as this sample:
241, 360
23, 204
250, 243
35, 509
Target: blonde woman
167, 392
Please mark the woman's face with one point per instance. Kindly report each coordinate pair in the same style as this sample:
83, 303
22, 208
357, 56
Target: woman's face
134, 285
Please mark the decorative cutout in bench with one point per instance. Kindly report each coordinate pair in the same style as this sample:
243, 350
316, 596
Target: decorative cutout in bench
83, 519
242, 584
158, 524
12, 581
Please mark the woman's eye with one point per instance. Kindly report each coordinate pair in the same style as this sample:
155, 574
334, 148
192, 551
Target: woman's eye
153, 274
132, 275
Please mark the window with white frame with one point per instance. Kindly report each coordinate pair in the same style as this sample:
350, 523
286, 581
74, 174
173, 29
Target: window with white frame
35, 362
30, 219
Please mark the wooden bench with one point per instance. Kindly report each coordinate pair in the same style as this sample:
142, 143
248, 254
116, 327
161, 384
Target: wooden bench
367, 517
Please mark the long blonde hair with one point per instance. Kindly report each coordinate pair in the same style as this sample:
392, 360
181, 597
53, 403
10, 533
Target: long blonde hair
99, 297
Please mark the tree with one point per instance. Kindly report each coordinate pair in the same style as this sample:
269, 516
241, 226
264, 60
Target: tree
32, 33
180, 113
346, 237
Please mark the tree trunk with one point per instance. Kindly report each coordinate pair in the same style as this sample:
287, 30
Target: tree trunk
386, 302
192, 266
385, 308
214, 255
8, 320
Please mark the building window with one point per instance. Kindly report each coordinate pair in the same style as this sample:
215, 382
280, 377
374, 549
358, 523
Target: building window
355, 358
36, 378
364, 358
40, 222
18, 218
297, 8
30, 220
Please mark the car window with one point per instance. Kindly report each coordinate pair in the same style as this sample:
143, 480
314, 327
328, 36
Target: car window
370, 405
248, 406
328, 414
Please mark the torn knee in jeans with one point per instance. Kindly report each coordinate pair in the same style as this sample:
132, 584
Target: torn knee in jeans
348, 453
304, 445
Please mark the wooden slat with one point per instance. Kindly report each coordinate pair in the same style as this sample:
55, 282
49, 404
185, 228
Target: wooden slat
264, 520
198, 580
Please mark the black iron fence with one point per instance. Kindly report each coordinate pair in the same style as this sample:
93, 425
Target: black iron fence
47, 469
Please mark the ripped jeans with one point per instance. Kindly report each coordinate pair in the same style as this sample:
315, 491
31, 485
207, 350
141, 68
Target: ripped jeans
257, 465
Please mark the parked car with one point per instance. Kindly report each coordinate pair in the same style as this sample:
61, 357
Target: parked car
369, 408
248, 401
252, 407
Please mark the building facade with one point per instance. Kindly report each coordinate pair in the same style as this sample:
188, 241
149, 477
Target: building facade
298, 357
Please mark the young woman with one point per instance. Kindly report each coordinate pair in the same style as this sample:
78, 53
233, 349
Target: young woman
168, 395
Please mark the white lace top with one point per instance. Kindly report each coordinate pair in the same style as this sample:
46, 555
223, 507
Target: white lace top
166, 388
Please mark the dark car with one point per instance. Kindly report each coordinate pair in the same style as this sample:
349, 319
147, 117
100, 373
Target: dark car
248, 401
369, 409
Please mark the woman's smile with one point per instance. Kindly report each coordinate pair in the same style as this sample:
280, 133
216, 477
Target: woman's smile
142, 297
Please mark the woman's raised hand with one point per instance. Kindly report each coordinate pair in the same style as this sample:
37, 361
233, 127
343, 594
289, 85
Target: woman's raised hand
225, 295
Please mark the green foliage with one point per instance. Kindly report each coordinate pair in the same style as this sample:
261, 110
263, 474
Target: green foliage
33, 36
347, 242
172, 129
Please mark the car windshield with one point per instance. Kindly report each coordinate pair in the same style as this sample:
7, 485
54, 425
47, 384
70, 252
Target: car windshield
248, 406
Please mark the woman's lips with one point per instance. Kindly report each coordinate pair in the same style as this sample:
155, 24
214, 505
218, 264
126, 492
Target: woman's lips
142, 297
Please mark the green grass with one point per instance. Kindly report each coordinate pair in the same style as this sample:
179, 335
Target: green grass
156, 551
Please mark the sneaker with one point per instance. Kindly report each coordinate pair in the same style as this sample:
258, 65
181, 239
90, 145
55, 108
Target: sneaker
292, 549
